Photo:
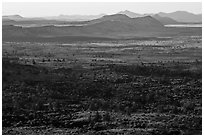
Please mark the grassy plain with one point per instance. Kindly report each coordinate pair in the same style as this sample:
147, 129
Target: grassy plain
136, 86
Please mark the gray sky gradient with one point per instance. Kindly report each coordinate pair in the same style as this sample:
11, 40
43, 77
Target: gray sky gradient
40, 9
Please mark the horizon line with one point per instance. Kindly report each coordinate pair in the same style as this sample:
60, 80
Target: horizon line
100, 14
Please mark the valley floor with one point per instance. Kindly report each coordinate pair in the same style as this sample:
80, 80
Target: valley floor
119, 87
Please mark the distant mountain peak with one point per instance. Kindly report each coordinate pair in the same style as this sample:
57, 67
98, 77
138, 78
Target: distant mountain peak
125, 11
115, 16
130, 14
16, 16
180, 11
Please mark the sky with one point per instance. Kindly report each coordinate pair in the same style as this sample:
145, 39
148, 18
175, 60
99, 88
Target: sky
40, 9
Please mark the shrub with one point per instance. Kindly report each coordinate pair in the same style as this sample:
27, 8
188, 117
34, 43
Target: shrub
97, 117
106, 117
33, 62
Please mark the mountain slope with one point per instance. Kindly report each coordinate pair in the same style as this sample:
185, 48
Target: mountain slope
109, 26
182, 16
8, 22
114, 17
146, 22
164, 20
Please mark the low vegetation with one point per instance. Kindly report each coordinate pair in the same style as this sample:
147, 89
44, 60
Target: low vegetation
115, 99
136, 86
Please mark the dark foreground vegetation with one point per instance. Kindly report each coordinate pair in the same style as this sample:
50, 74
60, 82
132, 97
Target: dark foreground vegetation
115, 99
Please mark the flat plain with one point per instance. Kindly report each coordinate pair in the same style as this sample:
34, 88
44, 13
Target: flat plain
130, 86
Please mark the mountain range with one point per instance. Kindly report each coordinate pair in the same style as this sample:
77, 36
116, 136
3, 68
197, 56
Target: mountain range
74, 17
106, 25
169, 18
165, 18
182, 16
117, 25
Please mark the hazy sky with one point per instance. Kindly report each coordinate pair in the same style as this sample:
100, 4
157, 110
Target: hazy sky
39, 9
